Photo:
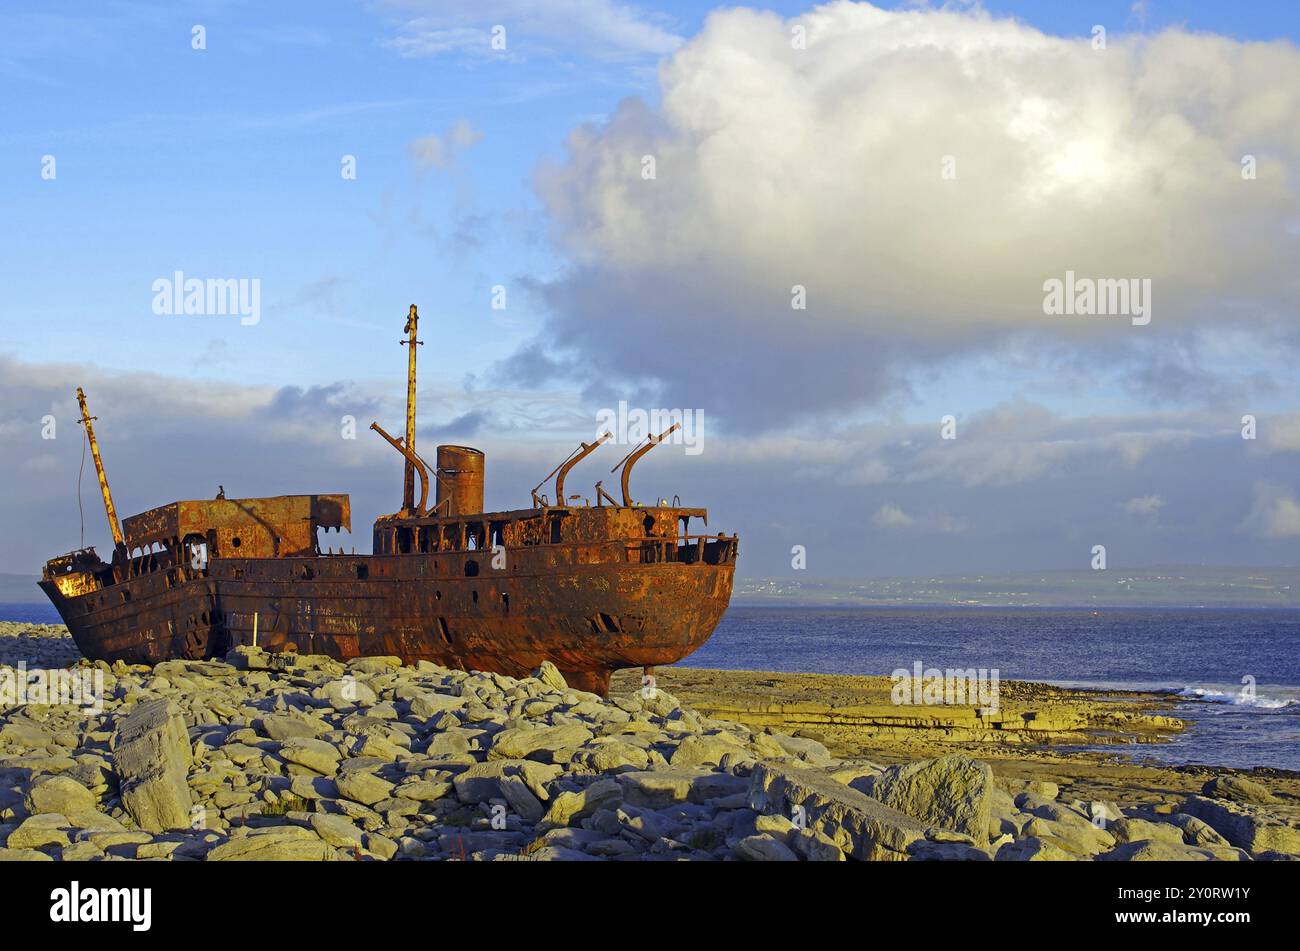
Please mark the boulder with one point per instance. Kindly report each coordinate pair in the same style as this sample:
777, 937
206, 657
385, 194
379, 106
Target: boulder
550, 675
521, 799
374, 664
764, 848
702, 750
347, 693
448, 744
804, 748
281, 727
316, 755
1136, 830
1155, 850
336, 830
422, 790
815, 846
607, 757
58, 793
861, 826
35, 831
1198, 832
273, 844
661, 788
541, 742
1069, 831
953, 792
569, 808
1034, 849
482, 781
23, 855
151, 756
929, 851
1244, 826
426, 706
363, 786
1237, 789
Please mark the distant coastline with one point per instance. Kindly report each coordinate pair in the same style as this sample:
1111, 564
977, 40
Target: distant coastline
1174, 587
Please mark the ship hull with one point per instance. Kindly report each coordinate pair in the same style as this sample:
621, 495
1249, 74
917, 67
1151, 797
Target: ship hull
453, 609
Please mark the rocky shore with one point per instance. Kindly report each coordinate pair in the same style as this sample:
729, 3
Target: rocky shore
275, 757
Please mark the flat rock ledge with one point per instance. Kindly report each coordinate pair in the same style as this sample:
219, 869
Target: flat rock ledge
287, 757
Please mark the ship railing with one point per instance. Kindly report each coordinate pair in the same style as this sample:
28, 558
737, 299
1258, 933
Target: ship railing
684, 549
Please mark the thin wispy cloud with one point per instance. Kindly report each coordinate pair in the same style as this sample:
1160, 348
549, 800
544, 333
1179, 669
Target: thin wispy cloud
595, 29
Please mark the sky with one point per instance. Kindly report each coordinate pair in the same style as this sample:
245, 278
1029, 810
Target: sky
820, 230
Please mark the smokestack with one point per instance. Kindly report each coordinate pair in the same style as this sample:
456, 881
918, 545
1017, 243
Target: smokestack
460, 479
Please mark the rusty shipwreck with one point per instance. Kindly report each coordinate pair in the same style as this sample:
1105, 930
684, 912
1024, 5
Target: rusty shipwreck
592, 586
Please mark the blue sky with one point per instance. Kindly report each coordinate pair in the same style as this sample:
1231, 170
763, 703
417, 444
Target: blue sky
225, 162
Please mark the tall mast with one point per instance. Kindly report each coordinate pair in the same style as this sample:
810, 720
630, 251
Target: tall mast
113, 525
408, 483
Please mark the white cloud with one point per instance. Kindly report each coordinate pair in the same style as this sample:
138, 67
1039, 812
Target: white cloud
1276, 513
890, 516
441, 151
1144, 505
600, 29
821, 167
1281, 433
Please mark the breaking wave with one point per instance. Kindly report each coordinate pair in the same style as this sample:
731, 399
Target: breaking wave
1260, 700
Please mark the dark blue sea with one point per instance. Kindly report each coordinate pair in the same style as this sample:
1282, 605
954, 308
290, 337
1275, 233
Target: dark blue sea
1199, 654
1191, 652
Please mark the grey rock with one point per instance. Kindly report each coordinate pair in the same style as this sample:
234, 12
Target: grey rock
804, 748
1155, 850
953, 792
568, 808
1245, 826
151, 756
274, 844
1197, 832
363, 787
521, 799
658, 789
1238, 789
1034, 849
35, 831
58, 793
522, 743
24, 855
764, 848
316, 755
1127, 830
550, 675
702, 750
815, 846
860, 825
336, 830
281, 727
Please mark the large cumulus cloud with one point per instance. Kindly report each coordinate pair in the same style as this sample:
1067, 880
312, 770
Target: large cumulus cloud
823, 167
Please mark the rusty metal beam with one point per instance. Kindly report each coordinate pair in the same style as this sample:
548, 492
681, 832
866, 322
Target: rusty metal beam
632, 457
566, 467
415, 462
113, 524
408, 479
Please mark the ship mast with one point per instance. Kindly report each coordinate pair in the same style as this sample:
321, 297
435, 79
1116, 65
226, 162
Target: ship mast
408, 483
113, 525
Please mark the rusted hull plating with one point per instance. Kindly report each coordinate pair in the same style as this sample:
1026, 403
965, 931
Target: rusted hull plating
588, 619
